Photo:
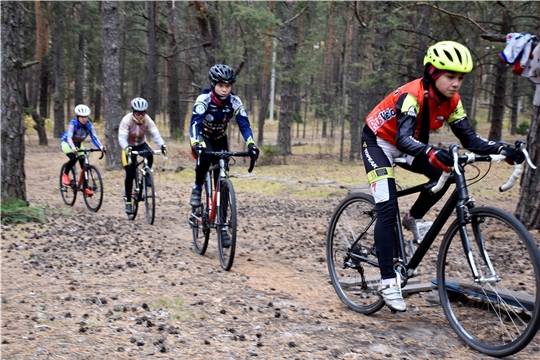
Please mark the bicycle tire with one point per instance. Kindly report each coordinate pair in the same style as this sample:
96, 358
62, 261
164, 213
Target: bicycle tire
496, 318
68, 193
227, 222
135, 196
355, 281
95, 183
149, 196
199, 221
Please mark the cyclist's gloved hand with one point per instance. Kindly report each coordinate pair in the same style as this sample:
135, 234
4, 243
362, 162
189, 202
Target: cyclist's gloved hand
102, 148
74, 150
253, 151
440, 159
164, 150
512, 155
127, 150
196, 149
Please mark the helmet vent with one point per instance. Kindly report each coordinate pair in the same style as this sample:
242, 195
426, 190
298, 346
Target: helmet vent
449, 56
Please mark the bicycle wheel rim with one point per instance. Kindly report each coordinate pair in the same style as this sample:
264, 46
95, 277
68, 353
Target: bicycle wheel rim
227, 223
134, 198
496, 318
355, 282
68, 193
149, 197
199, 223
95, 184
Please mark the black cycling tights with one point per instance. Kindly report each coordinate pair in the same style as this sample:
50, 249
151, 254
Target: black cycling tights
72, 160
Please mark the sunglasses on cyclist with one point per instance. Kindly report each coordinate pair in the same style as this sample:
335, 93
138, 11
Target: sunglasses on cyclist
138, 113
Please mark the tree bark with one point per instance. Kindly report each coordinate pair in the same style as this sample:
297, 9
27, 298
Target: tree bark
528, 209
58, 68
497, 114
13, 175
176, 126
289, 37
150, 90
111, 81
79, 59
264, 96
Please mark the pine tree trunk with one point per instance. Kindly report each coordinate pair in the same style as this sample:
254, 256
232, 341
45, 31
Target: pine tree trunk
58, 68
13, 175
150, 90
176, 131
528, 209
79, 59
289, 34
111, 81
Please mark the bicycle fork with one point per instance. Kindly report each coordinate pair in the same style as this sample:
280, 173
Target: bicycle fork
465, 218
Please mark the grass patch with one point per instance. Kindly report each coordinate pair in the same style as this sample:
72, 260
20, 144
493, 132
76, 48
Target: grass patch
175, 308
20, 212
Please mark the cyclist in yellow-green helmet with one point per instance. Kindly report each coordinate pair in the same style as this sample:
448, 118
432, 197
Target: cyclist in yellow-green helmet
399, 126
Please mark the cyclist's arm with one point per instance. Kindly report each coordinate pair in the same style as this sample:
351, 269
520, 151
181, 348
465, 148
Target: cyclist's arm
242, 119
467, 136
407, 110
93, 134
197, 118
123, 131
68, 137
153, 129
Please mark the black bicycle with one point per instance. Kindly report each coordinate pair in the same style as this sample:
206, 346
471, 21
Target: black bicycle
88, 182
143, 189
217, 209
488, 268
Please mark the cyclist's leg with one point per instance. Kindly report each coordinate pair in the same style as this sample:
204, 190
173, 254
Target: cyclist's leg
72, 157
128, 182
426, 199
200, 173
378, 159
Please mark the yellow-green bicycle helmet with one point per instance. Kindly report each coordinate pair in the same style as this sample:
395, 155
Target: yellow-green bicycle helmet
449, 55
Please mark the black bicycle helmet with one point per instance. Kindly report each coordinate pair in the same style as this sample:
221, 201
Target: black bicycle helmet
220, 73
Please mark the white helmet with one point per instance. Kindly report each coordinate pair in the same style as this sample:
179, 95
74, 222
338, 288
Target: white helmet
139, 104
82, 110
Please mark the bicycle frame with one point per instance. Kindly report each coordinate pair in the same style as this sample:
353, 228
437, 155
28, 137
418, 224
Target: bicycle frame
79, 184
459, 200
215, 190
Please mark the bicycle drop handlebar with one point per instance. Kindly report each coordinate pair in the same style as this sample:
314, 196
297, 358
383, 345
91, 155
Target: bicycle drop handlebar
471, 157
145, 153
225, 154
93, 150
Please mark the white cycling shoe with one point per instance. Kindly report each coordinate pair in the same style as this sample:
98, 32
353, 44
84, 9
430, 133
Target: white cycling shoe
391, 293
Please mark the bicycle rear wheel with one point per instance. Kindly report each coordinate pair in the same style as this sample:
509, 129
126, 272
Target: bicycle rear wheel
226, 227
500, 315
199, 221
69, 193
95, 184
149, 196
135, 195
355, 274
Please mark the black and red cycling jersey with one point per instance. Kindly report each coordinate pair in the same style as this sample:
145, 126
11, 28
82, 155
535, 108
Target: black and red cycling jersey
397, 119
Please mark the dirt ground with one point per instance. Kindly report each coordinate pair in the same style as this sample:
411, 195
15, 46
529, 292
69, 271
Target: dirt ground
98, 286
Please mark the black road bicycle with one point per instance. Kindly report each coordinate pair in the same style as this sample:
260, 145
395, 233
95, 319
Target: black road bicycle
143, 189
88, 182
488, 266
217, 209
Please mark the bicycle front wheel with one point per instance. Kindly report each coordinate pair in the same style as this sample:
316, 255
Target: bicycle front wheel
226, 228
497, 314
93, 198
350, 254
149, 196
69, 193
199, 221
135, 196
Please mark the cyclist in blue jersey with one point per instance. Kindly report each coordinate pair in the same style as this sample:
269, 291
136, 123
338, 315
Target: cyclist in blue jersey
212, 112
78, 130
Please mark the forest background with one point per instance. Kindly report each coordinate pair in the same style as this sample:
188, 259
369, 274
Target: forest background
311, 69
